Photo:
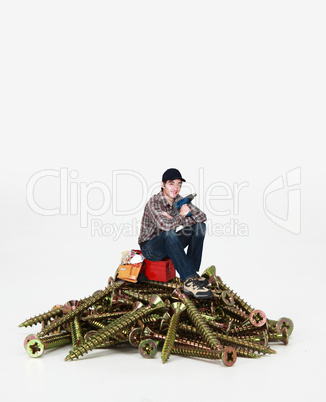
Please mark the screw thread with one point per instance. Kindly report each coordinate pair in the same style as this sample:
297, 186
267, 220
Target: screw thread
194, 352
83, 305
144, 296
178, 340
97, 324
230, 340
76, 333
150, 318
109, 331
237, 312
53, 342
200, 324
115, 314
42, 317
170, 337
171, 285
244, 305
243, 330
246, 353
188, 328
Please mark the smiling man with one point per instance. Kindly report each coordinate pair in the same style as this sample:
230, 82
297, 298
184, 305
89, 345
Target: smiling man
159, 239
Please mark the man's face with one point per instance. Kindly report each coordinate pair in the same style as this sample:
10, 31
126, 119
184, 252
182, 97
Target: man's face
171, 188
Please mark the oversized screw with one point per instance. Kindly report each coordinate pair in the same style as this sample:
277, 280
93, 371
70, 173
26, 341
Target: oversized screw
285, 323
83, 305
107, 344
198, 320
242, 304
177, 308
257, 318
36, 347
148, 348
210, 275
228, 354
246, 353
242, 315
282, 336
75, 325
195, 343
117, 325
54, 312
135, 336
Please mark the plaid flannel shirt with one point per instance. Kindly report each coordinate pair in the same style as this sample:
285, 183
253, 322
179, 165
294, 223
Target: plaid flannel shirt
153, 222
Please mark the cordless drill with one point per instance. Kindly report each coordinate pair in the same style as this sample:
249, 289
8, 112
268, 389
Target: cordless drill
185, 200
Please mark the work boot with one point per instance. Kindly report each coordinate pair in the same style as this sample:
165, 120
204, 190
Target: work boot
201, 280
193, 287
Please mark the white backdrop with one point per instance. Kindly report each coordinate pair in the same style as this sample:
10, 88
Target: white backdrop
98, 99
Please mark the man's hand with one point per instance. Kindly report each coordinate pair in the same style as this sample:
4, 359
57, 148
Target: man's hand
166, 215
184, 210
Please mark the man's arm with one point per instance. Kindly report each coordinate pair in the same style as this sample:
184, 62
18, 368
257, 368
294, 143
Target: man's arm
197, 216
163, 222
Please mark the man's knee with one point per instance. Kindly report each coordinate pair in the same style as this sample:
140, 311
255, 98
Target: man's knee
169, 235
200, 229
196, 230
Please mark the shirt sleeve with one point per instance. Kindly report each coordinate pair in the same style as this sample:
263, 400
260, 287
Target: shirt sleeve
196, 217
155, 212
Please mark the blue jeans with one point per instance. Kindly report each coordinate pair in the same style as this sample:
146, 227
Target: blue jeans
171, 244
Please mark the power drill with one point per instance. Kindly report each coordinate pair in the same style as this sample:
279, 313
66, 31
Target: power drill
185, 200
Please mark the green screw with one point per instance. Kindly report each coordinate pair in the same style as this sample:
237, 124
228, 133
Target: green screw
148, 333
282, 336
198, 320
83, 305
36, 347
228, 354
74, 324
148, 348
102, 316
145, 296
285, 322
226, 339
242, 315
246, 353
118, 325
177, 308
210, 274
242, 304
107, 344
76, 333
54, 312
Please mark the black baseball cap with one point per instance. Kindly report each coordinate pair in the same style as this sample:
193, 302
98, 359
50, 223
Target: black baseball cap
172, 174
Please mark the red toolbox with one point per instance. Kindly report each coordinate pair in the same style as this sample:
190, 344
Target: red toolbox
161, 271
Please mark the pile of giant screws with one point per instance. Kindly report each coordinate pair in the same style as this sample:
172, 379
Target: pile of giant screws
156, 314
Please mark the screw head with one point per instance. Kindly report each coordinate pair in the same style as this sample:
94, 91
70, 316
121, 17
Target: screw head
34, 348
257, 318
148, 348
227, 298
29, 338
209, 272
229, 356
69, 306
135, 337
285, 323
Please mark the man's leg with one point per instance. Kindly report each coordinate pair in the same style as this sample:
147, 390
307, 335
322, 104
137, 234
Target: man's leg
193, 237
167, 244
